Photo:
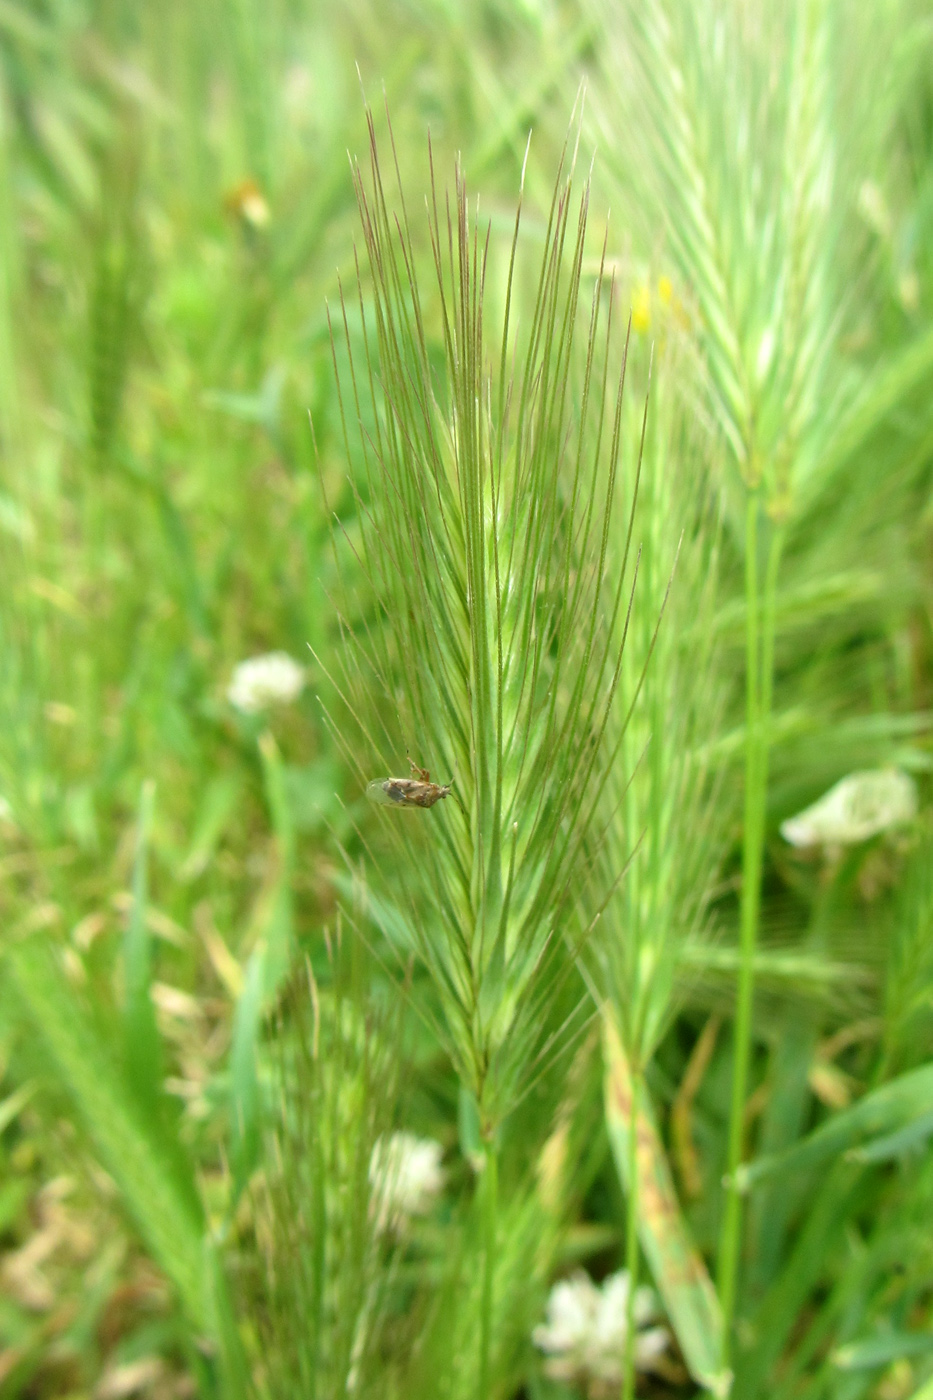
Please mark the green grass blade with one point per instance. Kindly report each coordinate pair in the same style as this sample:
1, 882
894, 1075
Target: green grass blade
142, 1044
903, 1102
266, 972
783, 1122
168, 1219
894, 1145
244, 1081
9, 400
279, 932
881, 1351
679, 1271
767, 1332
233, 1363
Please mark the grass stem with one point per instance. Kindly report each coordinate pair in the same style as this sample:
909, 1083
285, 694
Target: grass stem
631, 1244
490, 1209
759, 665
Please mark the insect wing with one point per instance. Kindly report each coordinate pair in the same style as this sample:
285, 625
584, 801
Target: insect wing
379, 792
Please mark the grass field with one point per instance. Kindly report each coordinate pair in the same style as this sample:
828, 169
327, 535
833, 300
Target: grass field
587, 477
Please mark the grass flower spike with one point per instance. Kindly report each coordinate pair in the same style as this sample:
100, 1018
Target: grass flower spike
480, 511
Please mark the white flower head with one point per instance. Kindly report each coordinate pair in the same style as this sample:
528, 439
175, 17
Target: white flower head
406, 1175
263, 681
859, 806
585, 1330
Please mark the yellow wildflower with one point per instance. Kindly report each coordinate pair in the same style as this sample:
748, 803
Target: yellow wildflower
641, 309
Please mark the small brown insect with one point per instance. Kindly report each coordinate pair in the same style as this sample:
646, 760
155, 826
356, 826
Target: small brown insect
416, 791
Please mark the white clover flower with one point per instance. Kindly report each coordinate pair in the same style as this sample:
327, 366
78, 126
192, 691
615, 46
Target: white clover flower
584, 1334
262, 681
406, 1175
859, 806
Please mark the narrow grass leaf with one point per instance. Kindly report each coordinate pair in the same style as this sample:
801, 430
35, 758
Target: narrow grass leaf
266, 972
142, 1043
244, 1078
679, 1271
865, 1355
894, 1145
168, 1217
218, 807
902, 1103
834, 1204
279, 934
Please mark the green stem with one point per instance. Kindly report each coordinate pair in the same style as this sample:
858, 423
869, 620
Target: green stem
759, 684
631, 1243
490, 1208
767, 648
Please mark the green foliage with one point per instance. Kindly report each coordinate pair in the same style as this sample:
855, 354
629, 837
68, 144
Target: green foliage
635, 642
163, 1201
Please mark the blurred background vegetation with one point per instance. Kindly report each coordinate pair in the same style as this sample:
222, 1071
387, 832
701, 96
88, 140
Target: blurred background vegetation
204, 1031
